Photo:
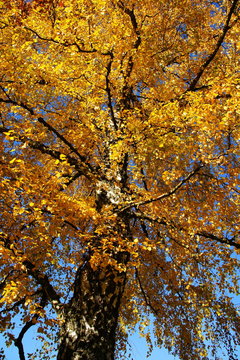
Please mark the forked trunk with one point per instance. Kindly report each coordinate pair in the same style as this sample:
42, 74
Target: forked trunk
90, 319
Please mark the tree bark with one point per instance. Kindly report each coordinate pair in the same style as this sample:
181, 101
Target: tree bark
90, 319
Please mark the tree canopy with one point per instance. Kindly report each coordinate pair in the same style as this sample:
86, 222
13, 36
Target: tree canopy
119, 173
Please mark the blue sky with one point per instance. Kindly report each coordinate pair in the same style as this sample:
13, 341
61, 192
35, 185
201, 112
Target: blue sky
138, 348
137, 344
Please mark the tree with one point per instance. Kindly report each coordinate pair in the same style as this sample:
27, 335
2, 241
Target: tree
119, 164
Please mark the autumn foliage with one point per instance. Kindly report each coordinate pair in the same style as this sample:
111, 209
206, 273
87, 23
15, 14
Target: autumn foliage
119, 173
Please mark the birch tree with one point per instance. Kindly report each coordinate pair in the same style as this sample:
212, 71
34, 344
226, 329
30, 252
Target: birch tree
119, 174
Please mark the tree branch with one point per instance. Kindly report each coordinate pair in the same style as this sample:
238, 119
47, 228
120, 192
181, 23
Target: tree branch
59, 43
165, 195
42, 279
66, 44
18, 341
61, 137
210, 58
82, 169
147, 301
3, 283
109, 95
222, 240
133, 19
48, 126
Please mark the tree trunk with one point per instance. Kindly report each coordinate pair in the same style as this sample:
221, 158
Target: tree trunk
90, 319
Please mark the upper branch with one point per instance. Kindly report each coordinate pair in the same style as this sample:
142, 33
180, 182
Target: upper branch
108, 90
217, 47
165, 195
88, 169
63, 139
146, 298
81, 168
133, 19
222, 240
127, 92
65, 44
